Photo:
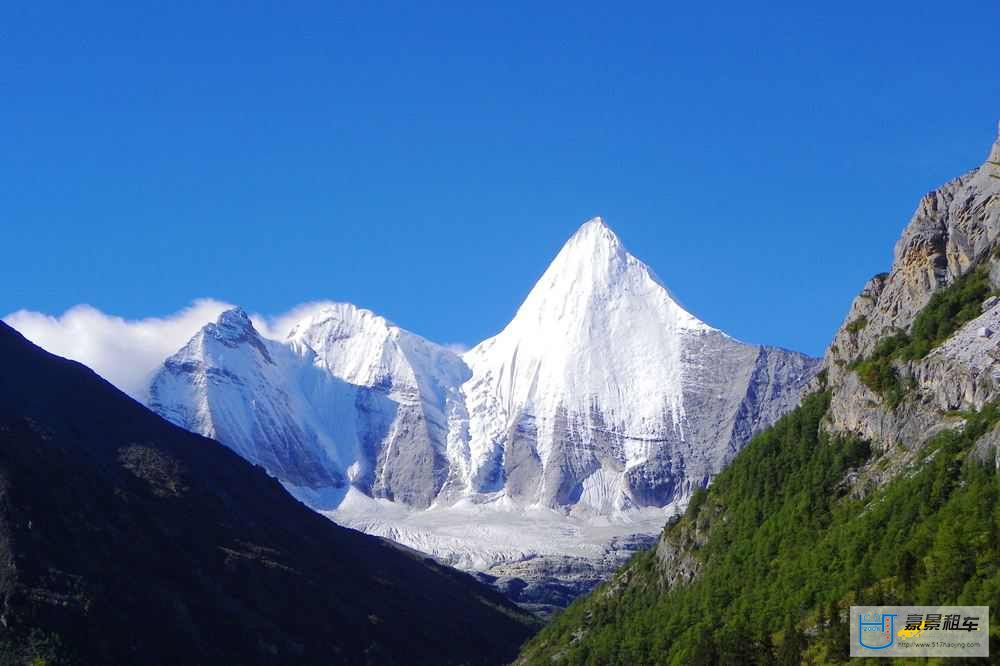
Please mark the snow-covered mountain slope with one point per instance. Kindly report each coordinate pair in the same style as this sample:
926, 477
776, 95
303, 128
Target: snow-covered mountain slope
603, 401
230, 384
346, 398
402, 389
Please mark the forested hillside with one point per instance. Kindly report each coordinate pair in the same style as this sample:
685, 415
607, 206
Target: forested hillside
782, 549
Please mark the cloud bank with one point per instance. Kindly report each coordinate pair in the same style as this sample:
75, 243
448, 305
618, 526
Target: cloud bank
127, 352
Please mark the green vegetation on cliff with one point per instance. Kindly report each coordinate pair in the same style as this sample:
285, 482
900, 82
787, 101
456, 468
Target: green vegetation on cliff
783, 548
948, 310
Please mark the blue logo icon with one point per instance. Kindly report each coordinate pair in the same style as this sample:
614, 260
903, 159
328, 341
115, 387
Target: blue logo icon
876, 631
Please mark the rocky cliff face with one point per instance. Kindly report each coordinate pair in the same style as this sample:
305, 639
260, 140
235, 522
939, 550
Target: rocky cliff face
954, 230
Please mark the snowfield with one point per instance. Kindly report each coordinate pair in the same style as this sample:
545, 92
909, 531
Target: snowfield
479, 535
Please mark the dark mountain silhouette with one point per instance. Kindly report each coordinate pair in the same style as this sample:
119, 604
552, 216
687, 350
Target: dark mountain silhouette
124, 539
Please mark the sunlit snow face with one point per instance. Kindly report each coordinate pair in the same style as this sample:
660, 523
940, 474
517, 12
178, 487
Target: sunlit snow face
355, 472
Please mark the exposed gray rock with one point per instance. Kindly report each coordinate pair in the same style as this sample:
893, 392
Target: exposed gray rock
953, 229
546, 584
964, 372
988, 448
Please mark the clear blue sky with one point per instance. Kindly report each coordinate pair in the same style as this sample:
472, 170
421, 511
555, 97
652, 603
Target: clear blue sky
427, 161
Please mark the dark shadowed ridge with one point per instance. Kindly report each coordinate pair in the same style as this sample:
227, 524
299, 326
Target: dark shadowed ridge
124, 539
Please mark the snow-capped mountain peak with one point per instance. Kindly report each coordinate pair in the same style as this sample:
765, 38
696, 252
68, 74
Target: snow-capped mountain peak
233, 328
364, 349
230, 383
593, 234
602, 395
351, 343
234, 321
598, 346
594, 271
602, 392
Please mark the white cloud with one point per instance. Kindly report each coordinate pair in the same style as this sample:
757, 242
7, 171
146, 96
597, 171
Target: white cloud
125, 352
457, 347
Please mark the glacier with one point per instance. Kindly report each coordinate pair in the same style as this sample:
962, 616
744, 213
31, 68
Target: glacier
591, 417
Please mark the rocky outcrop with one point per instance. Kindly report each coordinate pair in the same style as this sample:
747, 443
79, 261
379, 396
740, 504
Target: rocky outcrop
954, 229
988, 448
964, 372
546, 584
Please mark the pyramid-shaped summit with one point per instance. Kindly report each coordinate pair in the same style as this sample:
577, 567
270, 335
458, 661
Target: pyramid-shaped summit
592, 276
605, 394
